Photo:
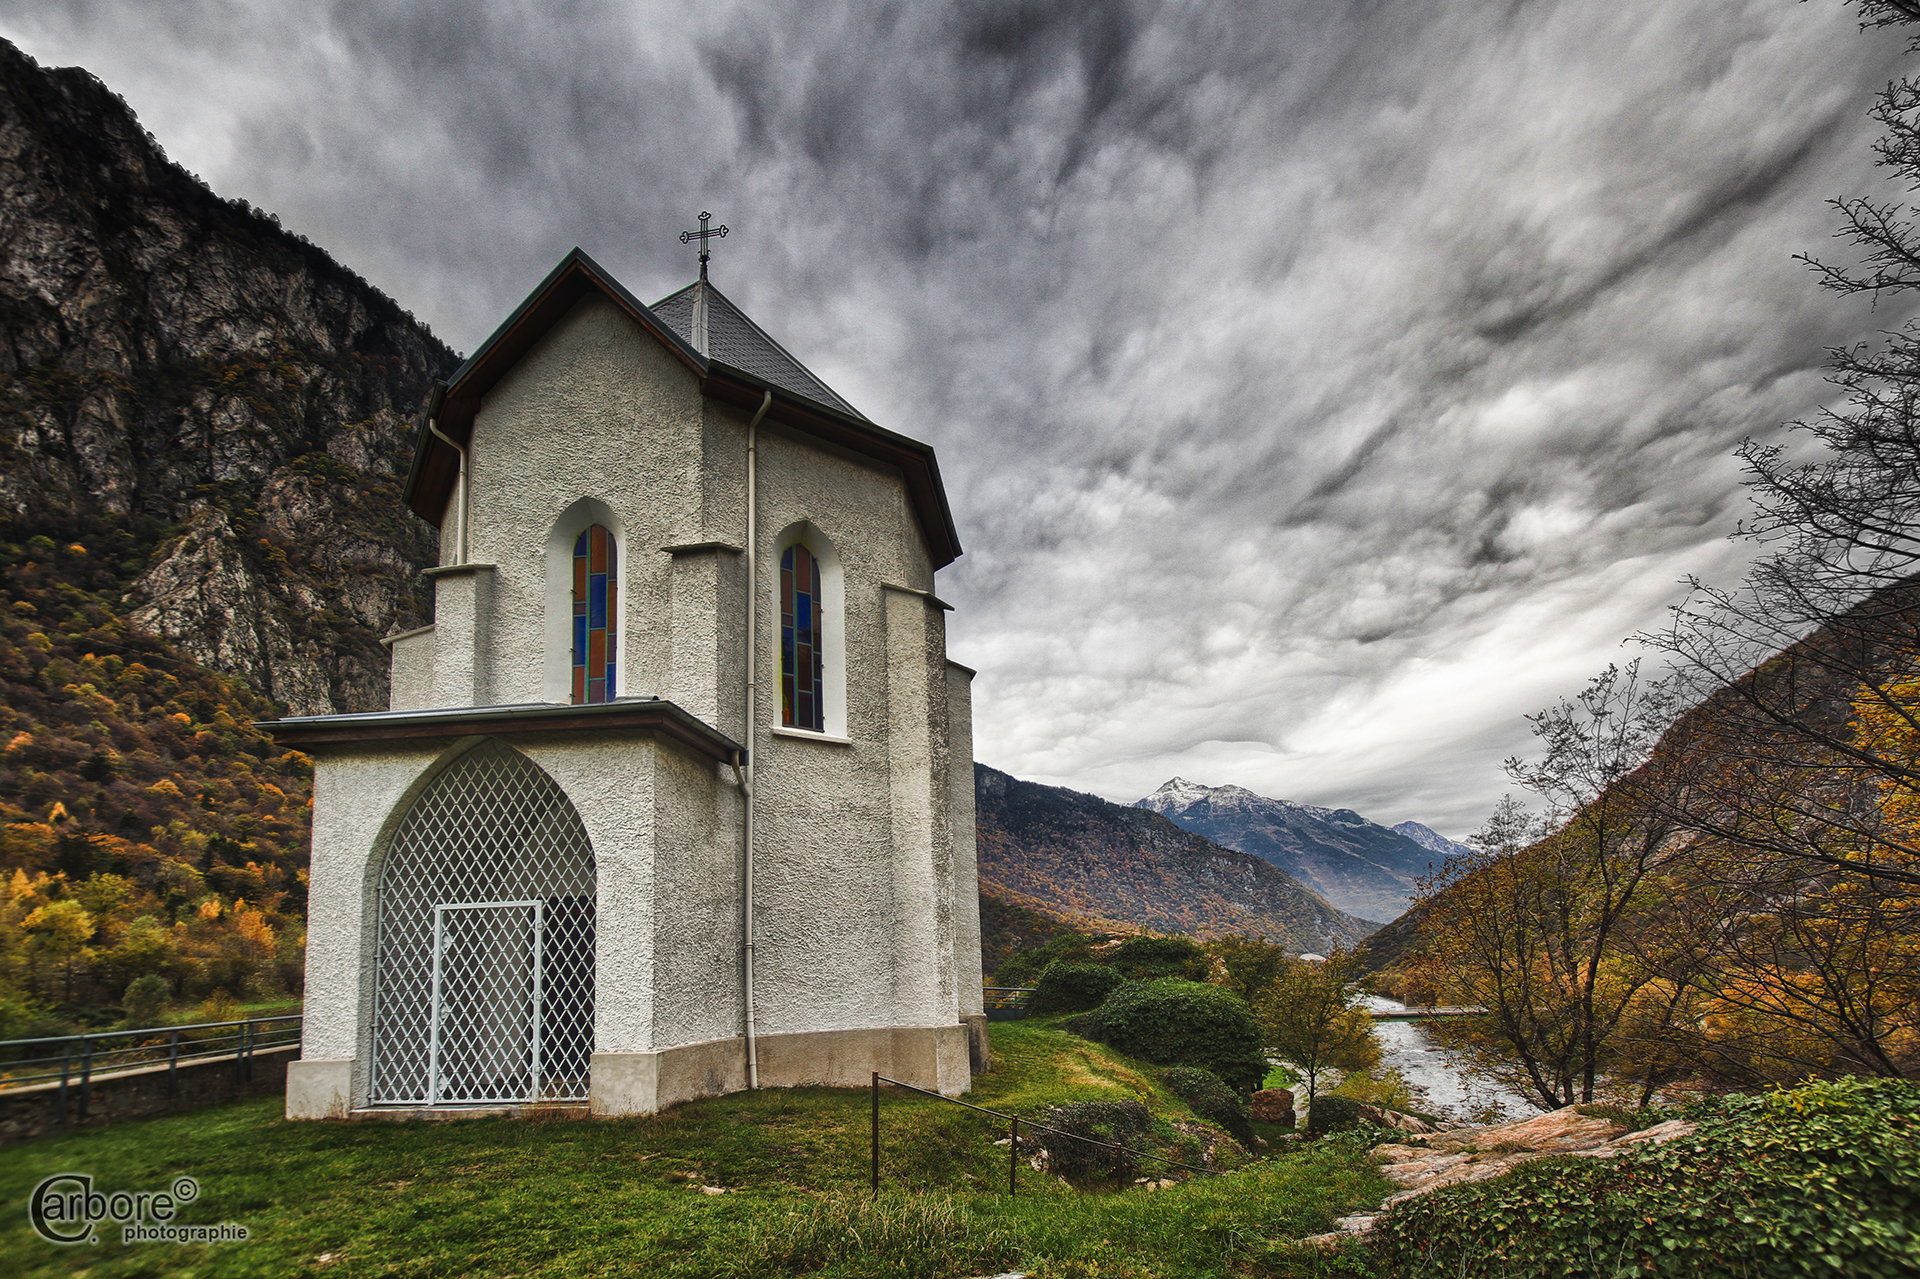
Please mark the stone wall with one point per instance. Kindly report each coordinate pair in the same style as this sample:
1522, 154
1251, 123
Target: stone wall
26, 1113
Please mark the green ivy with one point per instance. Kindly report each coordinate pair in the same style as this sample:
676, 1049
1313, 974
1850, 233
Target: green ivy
1823, 1179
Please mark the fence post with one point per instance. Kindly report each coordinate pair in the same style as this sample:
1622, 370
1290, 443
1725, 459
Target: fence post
248, 1074
876, 1134
86, 1076
173, 1065
66, 1068
1013, 1156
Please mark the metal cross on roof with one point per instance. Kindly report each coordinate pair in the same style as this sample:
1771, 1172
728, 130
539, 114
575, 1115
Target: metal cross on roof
703, 235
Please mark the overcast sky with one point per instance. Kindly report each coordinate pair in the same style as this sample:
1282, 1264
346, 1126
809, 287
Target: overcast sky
1319, 387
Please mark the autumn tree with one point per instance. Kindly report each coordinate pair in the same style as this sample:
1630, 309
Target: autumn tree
1246, 964
1309, 1018
62, 929
1799, 774
1539, 926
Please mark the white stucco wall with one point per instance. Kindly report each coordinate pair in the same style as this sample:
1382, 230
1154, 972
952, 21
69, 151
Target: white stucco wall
867, 910
969, 979
596, 410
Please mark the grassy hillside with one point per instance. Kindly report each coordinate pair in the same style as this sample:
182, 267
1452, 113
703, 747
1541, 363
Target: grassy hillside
495, 1197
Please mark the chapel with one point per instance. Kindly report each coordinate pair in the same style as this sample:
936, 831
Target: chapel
675, 795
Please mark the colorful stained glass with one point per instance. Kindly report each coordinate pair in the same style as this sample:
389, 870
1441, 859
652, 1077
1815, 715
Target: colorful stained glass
801, 703
596, 615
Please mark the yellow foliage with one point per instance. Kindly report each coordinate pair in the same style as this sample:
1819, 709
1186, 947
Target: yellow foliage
251, 926
26, 841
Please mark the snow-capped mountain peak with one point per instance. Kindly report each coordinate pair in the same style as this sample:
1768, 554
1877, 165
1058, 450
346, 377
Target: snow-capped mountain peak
1431, 840
1359, 865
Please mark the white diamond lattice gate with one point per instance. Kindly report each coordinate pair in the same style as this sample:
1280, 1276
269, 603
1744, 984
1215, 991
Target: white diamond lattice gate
484, 970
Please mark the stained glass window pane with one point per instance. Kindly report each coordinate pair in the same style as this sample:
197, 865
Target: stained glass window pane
595, 615
800, 640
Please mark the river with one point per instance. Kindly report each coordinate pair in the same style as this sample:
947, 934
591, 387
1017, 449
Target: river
1440, 1087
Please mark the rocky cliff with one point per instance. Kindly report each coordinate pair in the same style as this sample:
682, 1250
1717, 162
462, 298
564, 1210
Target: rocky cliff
184, 381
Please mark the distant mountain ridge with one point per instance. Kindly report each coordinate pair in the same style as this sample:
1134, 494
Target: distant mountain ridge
1431, 840
1360, 866
1083, 856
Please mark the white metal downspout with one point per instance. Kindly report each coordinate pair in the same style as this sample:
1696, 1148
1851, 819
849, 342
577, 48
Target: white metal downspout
461, 545
752, 716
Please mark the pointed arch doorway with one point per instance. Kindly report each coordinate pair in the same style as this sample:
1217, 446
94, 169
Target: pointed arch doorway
484, 949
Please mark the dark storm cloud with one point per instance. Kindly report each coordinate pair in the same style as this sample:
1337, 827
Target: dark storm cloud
1319, 388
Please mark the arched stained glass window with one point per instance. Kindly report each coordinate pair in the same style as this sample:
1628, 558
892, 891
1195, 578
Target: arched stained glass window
595, 614
800, 640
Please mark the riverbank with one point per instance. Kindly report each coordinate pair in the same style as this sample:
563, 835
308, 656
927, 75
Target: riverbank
1440, 1087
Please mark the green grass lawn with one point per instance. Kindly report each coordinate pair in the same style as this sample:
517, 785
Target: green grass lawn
565, 1197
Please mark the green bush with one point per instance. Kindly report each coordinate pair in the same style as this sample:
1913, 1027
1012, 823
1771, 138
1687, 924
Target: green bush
1072, 988
1121, 1123
1208, 1096
1182, 1023
1145, 958
1332, 1114
1023, 967
1820, 1180
146, 1000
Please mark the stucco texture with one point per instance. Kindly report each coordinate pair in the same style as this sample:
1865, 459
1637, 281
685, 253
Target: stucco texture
866, 910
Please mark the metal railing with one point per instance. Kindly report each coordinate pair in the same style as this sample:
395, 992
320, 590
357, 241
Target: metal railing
1007, 996
1013, 1136
77, 1062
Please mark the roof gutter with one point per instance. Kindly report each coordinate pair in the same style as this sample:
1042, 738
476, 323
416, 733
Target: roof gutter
460, 489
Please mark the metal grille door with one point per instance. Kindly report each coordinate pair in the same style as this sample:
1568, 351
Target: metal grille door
484, 969
486, 986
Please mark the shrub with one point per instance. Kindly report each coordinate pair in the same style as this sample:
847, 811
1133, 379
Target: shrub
1123, 1123
1183, 1023
1332, 1114
146, 1000
1208, 1096
1023, 967
1145, 958
1820, 1180
1072, 988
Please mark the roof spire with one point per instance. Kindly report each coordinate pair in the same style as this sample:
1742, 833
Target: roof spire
700, 290
703, 235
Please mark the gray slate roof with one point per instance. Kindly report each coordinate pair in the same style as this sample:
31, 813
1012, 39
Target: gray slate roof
734, 339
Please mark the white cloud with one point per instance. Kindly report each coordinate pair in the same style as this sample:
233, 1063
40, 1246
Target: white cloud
1319, 389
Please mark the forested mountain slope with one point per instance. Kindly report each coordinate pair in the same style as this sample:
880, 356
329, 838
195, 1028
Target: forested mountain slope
204, 425
1082, 855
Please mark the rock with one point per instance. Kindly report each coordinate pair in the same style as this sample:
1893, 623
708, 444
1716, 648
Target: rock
1556, 1132
1381, 1117
1417, 1171
1465, 1155
1467, 1168
1395, 1154
1672, 1130
1273, 1106
226, 376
